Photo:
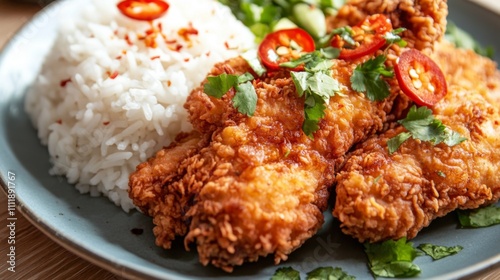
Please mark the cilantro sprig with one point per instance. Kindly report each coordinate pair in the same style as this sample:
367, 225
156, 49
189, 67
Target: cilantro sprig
368, 76
245, 98
315, 84
421, 124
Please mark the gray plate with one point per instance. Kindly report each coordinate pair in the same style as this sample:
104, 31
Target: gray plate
100, 232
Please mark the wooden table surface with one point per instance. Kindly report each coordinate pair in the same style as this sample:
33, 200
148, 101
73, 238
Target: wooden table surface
37, 256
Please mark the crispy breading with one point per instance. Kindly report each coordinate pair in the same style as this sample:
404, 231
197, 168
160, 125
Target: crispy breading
382, 196
256, 186
425, 20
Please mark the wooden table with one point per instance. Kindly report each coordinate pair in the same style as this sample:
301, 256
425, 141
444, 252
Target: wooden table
38, 257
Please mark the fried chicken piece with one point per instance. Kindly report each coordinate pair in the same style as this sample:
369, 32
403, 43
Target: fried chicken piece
256, 186
425, 20
382, 196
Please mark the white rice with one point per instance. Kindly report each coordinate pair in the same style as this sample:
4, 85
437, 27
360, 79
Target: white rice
98, 129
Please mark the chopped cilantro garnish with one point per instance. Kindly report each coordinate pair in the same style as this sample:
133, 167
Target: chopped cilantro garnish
392, 258
328, 273
218, 86
315, 84
344, 32
245, 98
422, 125
482, 217
286, 273
394, 38
437, 251
367, 78
254, 62
441, 174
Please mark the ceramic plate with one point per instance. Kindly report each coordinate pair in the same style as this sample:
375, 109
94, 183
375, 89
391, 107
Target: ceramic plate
102, 233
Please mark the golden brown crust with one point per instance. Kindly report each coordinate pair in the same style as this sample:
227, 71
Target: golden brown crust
382, 196
249, 187
425, 20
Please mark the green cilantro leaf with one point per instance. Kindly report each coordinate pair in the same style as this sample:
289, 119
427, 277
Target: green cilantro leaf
367, 78
217, 86
314, 61
437, 251
394, 38
314, 111
344, 32
245, 78
245, 99
316, 85
286, 273
422, 125
300, 81
392, 258
395, 142
482, 217
253, 60
328, 273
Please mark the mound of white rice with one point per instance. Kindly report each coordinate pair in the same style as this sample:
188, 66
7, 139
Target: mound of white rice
106, 101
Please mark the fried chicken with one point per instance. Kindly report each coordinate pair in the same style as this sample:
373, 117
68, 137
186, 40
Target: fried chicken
244, 187
425, 20
382, 196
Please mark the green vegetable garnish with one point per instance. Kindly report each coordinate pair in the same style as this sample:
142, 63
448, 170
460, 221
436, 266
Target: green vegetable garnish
245, 98
422, 125
482, 217
328, 273
286, 273
263, 16
315, 84
438, 252
367, 78
253, 61
392, 258
394, 38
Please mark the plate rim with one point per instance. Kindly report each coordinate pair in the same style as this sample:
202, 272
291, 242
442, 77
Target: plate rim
130, 271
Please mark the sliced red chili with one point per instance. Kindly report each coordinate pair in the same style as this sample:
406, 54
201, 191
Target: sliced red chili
368, 36
143, 9
284, 45
420, 78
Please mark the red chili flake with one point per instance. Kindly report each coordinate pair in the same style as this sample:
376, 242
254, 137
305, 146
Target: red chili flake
226, 45
186, 59
105, 123
155, 57
171, 41
59, 121
185, 32
113, 75
176, 48
208, 53
115, 32
150, 31
118, 57
169, 83
127, 38
64, 82
160, 26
